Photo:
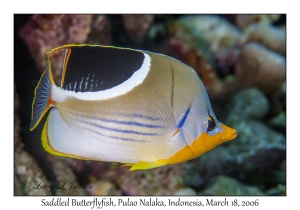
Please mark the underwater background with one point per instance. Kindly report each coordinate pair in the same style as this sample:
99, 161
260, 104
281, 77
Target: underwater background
240, 58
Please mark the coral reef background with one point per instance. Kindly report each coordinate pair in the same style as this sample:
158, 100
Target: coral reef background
240, 58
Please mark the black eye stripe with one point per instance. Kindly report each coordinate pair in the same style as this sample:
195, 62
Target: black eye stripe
211, 123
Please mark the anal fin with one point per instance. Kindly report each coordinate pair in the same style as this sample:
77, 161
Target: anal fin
144, 165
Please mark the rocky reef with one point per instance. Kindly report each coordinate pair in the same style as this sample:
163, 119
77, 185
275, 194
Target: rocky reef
240, 58
42, 33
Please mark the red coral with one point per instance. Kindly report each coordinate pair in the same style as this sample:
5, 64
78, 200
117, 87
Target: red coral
196, 60
45, 32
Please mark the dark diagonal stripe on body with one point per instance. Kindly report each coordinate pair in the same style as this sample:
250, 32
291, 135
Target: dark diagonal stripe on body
115, 137
120, 122
141, 116
122, 131
129, 123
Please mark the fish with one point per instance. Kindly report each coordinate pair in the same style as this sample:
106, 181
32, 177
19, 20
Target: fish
135, 107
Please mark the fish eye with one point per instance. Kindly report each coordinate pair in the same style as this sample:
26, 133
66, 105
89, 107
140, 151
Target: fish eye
209, 123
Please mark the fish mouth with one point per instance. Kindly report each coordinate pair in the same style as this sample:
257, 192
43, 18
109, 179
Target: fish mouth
229, 133
232, 136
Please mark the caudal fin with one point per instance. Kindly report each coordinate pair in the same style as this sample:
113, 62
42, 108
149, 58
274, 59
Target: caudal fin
42, 98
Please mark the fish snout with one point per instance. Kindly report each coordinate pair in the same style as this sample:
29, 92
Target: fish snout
228, 133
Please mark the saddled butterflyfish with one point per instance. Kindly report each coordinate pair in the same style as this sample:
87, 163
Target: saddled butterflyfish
122, 105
